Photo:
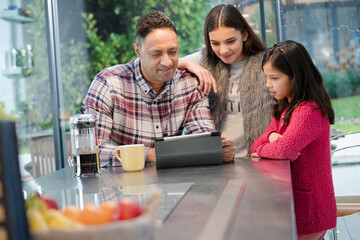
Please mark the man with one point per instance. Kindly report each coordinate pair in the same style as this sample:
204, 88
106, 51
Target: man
149, 97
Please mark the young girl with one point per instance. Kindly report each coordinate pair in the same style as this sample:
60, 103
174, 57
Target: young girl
300, 132
240, 105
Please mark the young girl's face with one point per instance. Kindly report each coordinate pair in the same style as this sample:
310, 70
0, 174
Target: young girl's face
227, 43
278, 83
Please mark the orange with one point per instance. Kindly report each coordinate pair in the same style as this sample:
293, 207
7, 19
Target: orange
72, 212
92, 215
107, 210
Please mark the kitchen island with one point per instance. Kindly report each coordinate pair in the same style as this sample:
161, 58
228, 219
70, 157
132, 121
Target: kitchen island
245, 199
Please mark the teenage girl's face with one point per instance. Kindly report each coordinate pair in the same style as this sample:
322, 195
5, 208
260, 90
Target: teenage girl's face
278, 83
227, 43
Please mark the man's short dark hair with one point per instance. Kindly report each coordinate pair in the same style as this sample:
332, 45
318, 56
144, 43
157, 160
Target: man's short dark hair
152, 20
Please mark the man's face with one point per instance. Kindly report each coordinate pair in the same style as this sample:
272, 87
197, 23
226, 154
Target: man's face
158, 54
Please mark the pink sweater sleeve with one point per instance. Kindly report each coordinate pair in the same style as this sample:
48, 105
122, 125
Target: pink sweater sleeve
305, 125
264, 138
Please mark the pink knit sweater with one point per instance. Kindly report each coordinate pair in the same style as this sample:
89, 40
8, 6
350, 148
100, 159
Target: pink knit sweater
306, 142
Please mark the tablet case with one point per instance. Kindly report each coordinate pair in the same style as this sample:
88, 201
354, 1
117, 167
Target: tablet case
189, 150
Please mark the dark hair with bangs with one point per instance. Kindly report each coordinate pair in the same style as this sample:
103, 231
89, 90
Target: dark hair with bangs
152, 20
292, 59
226, 15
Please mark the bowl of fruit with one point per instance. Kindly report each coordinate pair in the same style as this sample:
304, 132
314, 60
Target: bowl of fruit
126, 219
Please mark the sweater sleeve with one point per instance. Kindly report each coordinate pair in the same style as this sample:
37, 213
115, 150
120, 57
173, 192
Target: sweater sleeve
194, 57
305, 125
264, 138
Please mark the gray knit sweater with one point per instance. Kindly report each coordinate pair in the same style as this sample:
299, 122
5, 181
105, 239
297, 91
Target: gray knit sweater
256, 101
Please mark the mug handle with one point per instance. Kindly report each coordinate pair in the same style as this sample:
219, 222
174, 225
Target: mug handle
117, 154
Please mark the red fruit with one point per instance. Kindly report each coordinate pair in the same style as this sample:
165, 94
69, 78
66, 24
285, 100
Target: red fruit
50, 202
127, 209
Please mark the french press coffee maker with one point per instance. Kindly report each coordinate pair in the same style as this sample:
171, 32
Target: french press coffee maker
84, 145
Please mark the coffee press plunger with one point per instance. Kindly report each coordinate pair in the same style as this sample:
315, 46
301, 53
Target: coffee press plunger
84, 145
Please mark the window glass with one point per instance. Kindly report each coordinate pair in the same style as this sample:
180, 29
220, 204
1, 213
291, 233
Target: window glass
330, 32
24, 80
99, 34
270, 22
95, 35
75, 61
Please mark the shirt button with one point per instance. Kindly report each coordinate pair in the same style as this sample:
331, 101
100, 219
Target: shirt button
157, 127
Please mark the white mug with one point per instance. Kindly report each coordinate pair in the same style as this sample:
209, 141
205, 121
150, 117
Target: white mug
132, 157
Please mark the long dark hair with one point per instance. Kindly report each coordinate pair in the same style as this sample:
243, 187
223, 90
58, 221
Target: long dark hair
226, 15
292, 59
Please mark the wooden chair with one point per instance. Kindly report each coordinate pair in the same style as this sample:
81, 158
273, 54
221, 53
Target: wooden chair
346, 205
43, 154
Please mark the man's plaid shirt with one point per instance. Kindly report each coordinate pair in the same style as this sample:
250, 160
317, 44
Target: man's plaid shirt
129, 112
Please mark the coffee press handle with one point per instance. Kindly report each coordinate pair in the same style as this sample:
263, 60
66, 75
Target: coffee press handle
82, 109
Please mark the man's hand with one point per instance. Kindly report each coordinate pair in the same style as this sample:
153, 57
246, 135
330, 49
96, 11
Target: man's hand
274, 136
228, 149
206, 80
254, 155
150, 155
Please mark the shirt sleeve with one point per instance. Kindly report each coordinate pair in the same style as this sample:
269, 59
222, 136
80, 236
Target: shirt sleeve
304, 127
199, 117
98, 101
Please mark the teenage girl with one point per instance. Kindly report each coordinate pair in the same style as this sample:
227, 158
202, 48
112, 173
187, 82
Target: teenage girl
300, 132
239, 102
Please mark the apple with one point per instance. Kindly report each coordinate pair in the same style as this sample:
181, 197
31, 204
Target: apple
50, 202
126, 209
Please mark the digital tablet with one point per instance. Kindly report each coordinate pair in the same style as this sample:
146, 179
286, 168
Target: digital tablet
189, 150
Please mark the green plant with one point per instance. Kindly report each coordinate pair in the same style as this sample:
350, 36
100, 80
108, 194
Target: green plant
116, 46
347, 113
108, 52
75, 74
37, 86
340, 84
330, 83
75, 80
345, 72
105, 47
354, 81
346, 127
347, 107
4, 116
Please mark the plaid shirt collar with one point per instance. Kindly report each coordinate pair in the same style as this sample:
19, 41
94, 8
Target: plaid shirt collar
145, 86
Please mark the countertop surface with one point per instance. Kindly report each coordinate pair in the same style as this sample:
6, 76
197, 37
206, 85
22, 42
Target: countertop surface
244, 199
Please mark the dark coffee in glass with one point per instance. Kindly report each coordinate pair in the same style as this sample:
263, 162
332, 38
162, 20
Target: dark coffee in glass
84, 145
88, 163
